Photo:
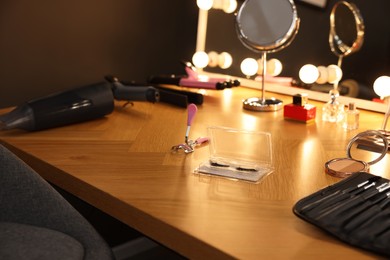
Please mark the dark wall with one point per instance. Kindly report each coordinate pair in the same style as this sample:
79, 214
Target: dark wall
52, 45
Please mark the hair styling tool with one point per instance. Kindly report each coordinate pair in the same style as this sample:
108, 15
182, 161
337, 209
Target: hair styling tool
194, 80
73, 106
177, 97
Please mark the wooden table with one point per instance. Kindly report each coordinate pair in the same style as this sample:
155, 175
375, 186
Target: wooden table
122, 164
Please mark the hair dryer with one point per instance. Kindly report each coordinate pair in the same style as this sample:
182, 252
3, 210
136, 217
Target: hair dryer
74, 106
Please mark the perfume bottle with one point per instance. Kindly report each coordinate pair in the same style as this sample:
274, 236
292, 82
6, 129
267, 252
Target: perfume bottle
351, 117
333, 111
300, 110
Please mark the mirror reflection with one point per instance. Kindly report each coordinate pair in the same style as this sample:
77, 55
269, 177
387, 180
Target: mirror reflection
311, 46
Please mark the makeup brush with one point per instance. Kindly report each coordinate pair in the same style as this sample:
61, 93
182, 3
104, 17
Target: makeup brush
348, 205
338, 195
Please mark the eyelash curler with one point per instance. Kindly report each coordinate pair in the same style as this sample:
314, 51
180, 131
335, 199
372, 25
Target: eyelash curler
189, 145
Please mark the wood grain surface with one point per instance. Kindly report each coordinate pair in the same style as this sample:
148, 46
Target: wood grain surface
122, 164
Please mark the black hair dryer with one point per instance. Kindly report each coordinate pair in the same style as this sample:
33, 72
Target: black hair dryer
74, 106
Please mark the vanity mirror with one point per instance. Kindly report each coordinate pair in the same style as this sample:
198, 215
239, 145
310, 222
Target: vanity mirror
346, 33
263, 27
311, 45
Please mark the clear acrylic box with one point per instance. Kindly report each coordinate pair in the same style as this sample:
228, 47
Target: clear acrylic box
238, 154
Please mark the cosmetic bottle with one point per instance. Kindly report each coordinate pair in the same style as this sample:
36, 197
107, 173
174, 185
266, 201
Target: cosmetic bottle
300, 110
351, 117
333, 111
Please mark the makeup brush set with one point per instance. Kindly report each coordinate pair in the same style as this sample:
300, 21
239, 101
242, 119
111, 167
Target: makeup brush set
356, 210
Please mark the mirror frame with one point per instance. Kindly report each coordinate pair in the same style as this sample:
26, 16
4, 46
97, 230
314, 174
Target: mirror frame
333, 36
281, 89
276, 45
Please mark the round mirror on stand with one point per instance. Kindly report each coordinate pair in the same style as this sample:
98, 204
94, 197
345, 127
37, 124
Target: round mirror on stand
266, 26
345, 37
346, 33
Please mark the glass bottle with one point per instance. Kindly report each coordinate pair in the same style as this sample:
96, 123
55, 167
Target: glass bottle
351, 117
333, 111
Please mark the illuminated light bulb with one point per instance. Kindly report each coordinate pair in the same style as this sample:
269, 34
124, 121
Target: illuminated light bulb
225, 60
382, 86
308, 73
200, 59
334, 74
274, 67
323, 76
205, 4
213, 59
249, 67
229, 6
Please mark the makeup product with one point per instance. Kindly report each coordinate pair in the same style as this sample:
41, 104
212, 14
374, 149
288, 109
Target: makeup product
194, 80
361, 220
189, 145
300, 110
333, 111
339, 195
343, 167
348, 209
192, 109
351, 117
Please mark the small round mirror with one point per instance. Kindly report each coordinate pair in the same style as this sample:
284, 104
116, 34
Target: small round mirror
266, 26
346, 29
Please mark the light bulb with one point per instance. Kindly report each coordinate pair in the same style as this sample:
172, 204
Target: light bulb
225, 60
323, 75
274, 67
229, 6
334, 74
249, 67
204, 4
213, 59
308, 73
200, 59
382, 86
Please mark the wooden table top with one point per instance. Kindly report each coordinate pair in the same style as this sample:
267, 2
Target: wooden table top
122, 164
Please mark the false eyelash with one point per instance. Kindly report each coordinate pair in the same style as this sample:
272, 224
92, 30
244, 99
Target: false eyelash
239, 168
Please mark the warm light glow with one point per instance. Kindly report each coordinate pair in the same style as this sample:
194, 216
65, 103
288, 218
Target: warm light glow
225, 60
308, 73
334, 74
323, 76
205, 4
249, 67
382, 86
213, 59
229, 6
274, 67
200, 59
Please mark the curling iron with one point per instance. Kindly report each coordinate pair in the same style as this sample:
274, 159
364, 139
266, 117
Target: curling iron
74, 106
194, 80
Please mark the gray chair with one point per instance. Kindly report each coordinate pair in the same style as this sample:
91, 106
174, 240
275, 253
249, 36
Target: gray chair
36, 222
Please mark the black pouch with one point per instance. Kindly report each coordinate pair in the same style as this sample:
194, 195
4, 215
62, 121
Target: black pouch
356, 210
